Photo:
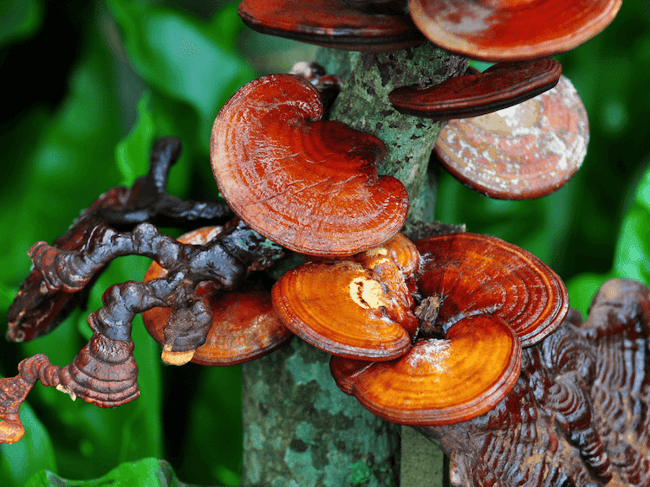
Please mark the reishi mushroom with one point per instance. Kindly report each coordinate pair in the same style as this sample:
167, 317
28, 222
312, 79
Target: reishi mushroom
244, 325
500, 86
503, 30
484, 275
438, 381
489, 299
526, 151
356, 25
308, 184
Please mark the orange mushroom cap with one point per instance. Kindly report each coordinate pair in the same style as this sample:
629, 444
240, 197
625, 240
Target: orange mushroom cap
522, 152
309, 185
509, 30
438, 381
341, 308
354, 25
484, 275
500, 86
244, 324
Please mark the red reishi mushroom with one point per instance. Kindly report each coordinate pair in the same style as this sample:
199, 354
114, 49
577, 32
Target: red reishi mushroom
522, 152
354, 25
439, 381
342, 308
508, 30
500, 86
244, 325
483, 275
308, 184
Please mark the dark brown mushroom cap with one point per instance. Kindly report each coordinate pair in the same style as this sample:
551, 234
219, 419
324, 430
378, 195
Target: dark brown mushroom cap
509, 30
484, 275
522, 152
244, 325
354, 25
500, 86
309, 185
438, 381
341, 308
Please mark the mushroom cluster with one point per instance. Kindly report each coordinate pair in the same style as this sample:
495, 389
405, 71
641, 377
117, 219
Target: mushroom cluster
426, 331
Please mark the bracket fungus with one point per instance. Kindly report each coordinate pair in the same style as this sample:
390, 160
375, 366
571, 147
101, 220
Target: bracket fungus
438, 381
308, 184
353, 25
502, 30
484, 275
244, 325
526, 151
500, 86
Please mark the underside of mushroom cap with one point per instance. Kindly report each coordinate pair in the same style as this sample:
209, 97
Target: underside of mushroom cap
370, 26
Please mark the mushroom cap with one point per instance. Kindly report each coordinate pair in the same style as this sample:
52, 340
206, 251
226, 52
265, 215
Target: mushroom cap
484, 275
309, 185
244, 325
522, 152
341, 308
500, 86
509, 30
354, 25
439, 381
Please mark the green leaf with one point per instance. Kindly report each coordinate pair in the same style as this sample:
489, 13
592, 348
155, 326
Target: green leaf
34, 452
148, 472
19, 19
182, 56
632, 258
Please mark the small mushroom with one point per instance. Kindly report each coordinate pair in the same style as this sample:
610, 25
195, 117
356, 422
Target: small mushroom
244, 325
342, 308
526, 151
484, 275
509, 30
439, 381
354, 25
308, 184
500, 86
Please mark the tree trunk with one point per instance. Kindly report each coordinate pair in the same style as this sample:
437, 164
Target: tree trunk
299, 428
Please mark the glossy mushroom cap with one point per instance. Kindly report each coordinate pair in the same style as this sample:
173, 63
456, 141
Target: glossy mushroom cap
484, 275
244, 325
354, 25
522, 152
509, 30
309, 185
500, 86
341, 308
438, 381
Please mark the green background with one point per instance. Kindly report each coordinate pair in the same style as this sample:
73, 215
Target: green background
88, 86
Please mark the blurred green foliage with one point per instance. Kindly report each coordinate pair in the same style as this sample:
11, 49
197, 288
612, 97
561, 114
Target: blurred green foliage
91, 85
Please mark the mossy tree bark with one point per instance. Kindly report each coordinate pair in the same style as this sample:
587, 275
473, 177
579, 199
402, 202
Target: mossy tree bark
299, 428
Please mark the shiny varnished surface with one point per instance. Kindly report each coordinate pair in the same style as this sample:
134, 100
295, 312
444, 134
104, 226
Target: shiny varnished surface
310, 185
438, 381
356, 25
500, 86
578, 415
479, 274
501, 30
343, 309
244, 325
522, 152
